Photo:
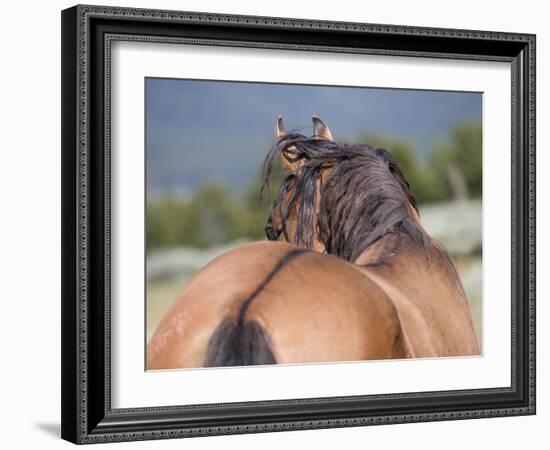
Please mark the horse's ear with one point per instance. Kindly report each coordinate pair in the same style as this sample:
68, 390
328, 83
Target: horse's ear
320, 130
279, 129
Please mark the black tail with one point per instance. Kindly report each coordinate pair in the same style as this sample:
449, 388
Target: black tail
235, 343
243, 343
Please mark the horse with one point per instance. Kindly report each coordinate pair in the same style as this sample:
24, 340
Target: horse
347, 273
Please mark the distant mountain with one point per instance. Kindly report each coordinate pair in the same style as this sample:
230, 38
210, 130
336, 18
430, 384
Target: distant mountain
219, 132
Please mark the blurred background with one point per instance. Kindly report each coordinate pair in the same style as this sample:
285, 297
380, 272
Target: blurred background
206, 142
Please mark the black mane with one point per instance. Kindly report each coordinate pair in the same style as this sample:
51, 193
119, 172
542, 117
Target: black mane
363, 197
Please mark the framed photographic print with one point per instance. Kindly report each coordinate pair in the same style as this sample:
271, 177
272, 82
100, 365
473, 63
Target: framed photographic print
281, 224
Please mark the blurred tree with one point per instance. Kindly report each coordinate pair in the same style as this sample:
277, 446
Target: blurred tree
457, 165
168, 221
215, 215
467, 139
210, 217
440, 160
257, 204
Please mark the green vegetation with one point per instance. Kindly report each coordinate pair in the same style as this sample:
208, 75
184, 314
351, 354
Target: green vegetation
212, 216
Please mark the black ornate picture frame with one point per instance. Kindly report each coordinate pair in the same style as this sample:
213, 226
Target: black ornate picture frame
87, 35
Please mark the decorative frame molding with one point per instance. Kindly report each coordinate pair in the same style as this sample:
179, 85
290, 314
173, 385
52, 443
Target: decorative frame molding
87, 34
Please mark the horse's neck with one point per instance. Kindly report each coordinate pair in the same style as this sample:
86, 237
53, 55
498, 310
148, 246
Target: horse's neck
427, 293
408, 264
380, 252
389, 246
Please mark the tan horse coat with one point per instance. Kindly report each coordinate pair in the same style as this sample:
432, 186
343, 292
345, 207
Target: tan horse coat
343, 313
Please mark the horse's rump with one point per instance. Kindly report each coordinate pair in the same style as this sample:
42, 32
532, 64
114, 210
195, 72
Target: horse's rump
215, 295
271, 303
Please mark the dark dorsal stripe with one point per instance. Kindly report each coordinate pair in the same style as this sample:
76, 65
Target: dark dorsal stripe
280, 264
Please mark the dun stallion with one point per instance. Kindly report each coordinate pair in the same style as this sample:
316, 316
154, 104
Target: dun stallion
350, 273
